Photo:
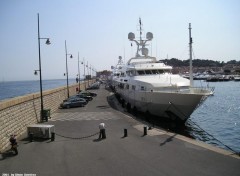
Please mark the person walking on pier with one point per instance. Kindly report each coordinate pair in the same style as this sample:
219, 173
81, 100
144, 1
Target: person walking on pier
102, 133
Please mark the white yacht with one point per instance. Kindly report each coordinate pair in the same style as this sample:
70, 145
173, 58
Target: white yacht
148, 85
117, 72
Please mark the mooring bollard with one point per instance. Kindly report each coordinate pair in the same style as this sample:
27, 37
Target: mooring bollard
125, 133
52, 136
144, 130
30, 137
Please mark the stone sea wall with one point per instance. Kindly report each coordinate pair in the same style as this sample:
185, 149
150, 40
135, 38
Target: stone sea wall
17, 113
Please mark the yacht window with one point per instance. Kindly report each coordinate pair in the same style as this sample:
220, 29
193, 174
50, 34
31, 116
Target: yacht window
160, 71
142, 88
155, 72
140, 72
131, 73
148, 72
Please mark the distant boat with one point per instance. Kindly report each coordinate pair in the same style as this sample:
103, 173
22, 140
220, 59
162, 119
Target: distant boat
218, 78
212, 79
236, 78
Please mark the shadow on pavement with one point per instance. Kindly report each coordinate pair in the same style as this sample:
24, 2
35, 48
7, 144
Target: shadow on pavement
103, 107
6, 155
27, 140
97, 140
170, 139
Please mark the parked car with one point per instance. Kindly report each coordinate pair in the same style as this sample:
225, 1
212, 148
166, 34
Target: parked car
95, 85
76, 97
86, 97
88, 93
73, 102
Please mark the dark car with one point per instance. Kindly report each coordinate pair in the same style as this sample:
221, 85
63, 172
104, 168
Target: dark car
95, 85
76, 97
73, 102
89, 93
87, 97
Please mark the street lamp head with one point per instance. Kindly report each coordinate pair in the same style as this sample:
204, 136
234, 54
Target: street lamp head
48, 42
35, 72
71, 56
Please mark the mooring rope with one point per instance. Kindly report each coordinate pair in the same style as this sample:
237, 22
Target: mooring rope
235, 152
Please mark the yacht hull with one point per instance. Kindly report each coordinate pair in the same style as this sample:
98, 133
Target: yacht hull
173, 105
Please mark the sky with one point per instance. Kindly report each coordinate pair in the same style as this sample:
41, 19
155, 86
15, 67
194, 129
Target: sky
98, 31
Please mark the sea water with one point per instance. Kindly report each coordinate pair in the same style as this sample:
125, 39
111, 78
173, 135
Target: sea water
13, 89
218, 117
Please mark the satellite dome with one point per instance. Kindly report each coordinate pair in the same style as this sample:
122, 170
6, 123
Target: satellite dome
149, 36
131, 36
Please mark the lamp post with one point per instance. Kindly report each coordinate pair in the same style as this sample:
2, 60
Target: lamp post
87, 73
95, 75
67, 67
40, 69
79, 78
93, 69
83, 62
90, 71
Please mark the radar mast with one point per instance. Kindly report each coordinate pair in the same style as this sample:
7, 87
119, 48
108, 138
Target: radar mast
141, 44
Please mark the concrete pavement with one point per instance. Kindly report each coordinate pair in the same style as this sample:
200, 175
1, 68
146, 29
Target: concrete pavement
158, 153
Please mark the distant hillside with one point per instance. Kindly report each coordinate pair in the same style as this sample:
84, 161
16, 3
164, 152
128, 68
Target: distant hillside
198, 63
